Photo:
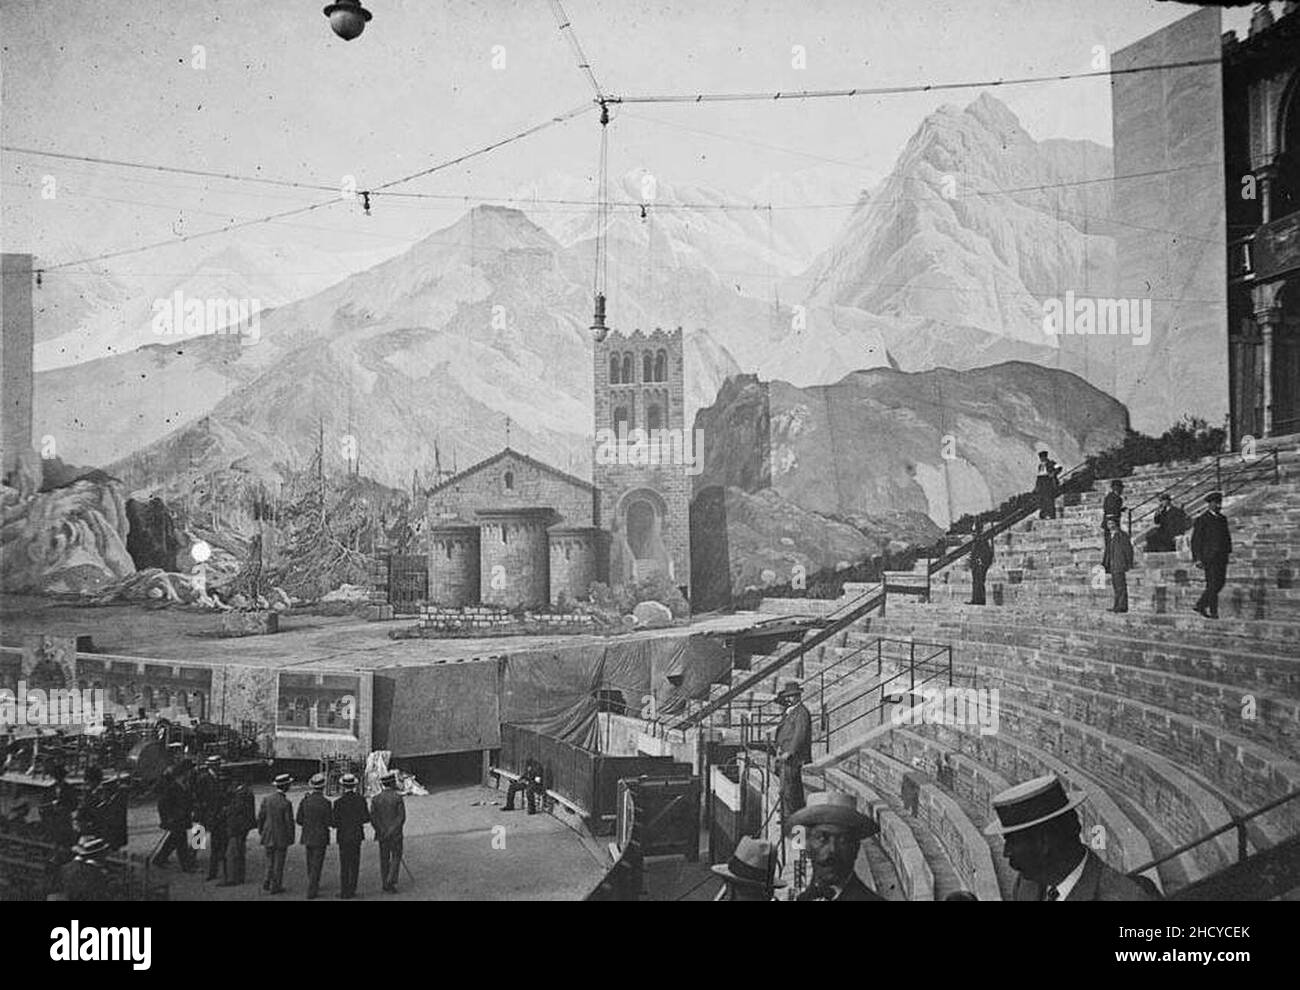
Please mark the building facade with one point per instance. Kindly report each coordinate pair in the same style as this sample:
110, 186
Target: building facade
638, 463
1261, 86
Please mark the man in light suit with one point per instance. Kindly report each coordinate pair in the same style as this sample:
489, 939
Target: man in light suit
1211, 547
793, 748
275, 824
1040, 836
315, 815
835, 830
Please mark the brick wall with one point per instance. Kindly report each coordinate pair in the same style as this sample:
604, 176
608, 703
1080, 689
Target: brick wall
484, 487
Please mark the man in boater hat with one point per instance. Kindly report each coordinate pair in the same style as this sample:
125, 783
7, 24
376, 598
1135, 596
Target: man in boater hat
1040, 836
315, 815
275, 823
748, 874
350, 813
834, 831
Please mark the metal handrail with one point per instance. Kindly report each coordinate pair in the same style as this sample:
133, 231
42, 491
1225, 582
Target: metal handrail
1065, 485
1229, 483
1237, 822
857, 608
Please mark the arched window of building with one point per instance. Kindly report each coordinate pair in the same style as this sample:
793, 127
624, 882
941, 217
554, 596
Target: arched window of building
653, 417
661, 366
647, 367
613, 369
629, 375
510, 481
622, 422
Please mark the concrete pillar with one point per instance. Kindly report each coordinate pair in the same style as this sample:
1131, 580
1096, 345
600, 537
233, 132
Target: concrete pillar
16, 344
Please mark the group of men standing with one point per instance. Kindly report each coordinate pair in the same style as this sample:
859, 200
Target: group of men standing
1211, 545
225, 810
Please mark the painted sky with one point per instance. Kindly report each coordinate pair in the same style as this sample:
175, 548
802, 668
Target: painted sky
279, 95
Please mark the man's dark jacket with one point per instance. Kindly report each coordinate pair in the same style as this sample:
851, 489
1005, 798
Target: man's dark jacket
1098, 882
350, 813
1211, 540
315, 815
854, 890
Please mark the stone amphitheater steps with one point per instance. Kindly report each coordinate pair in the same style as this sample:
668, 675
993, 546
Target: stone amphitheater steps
1245, 774
954, 849
981, 766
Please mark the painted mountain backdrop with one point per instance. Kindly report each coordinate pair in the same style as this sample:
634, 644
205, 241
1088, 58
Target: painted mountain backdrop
484, 321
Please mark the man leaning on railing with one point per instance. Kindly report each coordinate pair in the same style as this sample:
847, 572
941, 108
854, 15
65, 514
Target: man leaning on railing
793, 748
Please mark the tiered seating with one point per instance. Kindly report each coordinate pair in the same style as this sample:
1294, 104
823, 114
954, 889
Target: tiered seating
1171, 723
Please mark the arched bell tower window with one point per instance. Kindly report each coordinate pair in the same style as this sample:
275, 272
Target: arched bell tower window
510, 481
661, 366
613, 369
622, 422
653, 417
647, 367
629, 373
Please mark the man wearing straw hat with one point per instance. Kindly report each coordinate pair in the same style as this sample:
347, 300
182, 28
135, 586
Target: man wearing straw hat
834, 830
85, 879
350, 813
1040, 835
315, 815
793, 748
747, 875
276, 825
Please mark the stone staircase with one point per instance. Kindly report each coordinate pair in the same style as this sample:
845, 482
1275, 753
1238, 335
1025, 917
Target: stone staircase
1173, 724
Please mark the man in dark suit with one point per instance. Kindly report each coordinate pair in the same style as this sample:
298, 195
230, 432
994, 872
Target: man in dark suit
981, 559
210, 809
240, 819
530, 782
175, 816
85, 878
1117, 561
388, 818
275, 824
350, 813
1045, 485
834, 831
315, 815
793, 748
1112, 506
1040, 839
1171, 523
1211, 547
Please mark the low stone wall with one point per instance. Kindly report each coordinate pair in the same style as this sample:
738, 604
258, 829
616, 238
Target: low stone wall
490, 620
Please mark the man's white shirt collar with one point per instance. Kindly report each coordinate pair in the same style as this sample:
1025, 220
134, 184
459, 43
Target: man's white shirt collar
1071, 879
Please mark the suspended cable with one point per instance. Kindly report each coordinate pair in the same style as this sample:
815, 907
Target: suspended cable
566, 28
896, 90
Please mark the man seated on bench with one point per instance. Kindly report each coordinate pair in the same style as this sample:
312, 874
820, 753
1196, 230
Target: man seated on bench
530, 781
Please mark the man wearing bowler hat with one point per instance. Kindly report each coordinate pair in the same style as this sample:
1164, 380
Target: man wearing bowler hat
1211, 547
275, 823
350, 813
1040, 839
834, 830
388, 818
315, 815
748, 874
793, 748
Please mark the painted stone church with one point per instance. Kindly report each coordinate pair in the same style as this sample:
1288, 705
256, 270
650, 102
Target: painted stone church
514, 531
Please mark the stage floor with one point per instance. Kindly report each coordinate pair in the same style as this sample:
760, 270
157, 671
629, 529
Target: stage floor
304, 641
459, 846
